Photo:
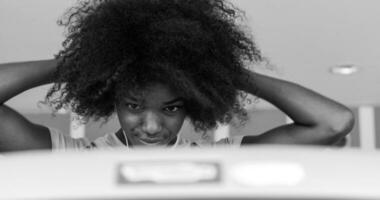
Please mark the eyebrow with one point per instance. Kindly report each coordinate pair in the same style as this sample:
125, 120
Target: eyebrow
174, 101
165, 103
130, 98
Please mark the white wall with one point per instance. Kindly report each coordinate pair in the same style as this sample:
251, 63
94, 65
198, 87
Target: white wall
302, 37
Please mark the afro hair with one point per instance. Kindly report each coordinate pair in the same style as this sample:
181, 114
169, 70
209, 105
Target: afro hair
116, 46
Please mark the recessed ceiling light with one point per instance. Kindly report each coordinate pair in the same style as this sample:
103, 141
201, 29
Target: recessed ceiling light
346, 69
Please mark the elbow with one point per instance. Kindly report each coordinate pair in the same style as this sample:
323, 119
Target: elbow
344, 122
341, 124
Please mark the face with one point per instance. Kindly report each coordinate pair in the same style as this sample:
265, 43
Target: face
153, 118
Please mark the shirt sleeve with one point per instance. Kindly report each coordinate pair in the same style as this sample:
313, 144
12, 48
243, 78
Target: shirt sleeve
230, 141
62, 142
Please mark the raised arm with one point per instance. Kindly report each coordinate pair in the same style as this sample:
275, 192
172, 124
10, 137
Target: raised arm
16, 132
317, 119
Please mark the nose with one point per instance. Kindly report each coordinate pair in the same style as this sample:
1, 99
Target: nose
152, 123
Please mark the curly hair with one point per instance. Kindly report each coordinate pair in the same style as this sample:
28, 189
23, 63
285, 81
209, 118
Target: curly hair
113, 47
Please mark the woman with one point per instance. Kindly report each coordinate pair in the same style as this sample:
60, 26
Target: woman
154, 63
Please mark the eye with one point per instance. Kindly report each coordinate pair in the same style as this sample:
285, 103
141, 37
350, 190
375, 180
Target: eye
133, 106
172, 109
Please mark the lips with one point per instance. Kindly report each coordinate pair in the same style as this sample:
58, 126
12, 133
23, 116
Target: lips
147, 141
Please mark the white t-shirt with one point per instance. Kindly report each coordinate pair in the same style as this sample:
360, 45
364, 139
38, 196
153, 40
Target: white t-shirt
62, 142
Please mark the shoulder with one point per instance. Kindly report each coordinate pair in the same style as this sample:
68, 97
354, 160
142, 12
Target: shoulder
62, 142
228, 142
225, 141
109, 140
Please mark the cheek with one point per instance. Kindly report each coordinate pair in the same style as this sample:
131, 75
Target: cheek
175, 124
129, 121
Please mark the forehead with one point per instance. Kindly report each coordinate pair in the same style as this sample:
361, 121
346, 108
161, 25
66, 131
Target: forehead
153, 92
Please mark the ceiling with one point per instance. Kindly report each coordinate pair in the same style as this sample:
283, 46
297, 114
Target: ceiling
301, 38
